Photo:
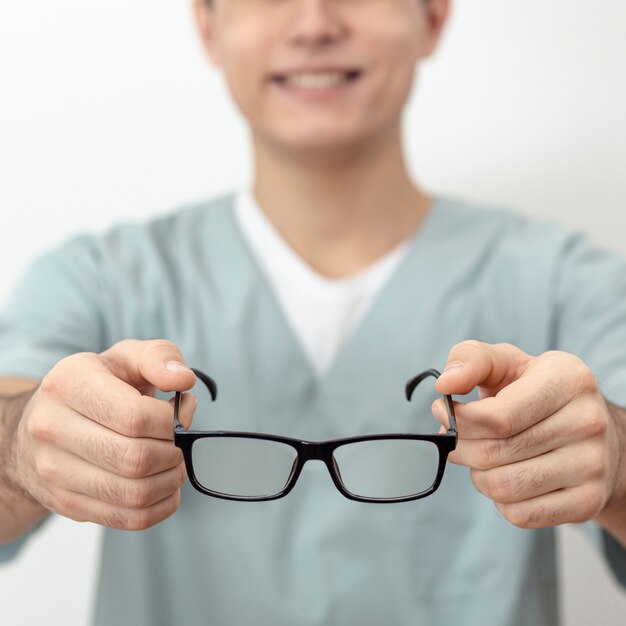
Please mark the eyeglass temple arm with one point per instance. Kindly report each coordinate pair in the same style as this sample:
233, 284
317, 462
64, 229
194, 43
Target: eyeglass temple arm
211, 386
414, 382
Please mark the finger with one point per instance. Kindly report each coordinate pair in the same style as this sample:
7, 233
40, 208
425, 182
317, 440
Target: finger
548, 383
512, 410
93, 391
474, 363
559, 469
572, 505
133, 457
82, 508
72, 473
560, 429
156, 362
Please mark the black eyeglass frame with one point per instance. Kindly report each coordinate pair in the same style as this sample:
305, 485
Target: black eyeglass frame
315, 450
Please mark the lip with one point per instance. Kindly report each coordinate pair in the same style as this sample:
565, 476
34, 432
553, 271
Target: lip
279, 81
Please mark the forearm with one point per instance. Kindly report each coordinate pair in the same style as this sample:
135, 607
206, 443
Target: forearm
613, 517
19, 512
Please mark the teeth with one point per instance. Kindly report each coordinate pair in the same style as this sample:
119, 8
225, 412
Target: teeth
317, 80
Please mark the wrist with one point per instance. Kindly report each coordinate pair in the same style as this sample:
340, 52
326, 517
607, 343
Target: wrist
19, 511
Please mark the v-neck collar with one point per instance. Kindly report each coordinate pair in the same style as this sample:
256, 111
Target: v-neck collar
289, 270
419, 246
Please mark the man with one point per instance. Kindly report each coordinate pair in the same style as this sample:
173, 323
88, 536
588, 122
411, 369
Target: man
311, 300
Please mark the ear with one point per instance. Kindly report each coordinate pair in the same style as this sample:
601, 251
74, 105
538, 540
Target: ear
205, 18
436, 14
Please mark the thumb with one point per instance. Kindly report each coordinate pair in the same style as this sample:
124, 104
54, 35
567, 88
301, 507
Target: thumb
489, 366
148, 365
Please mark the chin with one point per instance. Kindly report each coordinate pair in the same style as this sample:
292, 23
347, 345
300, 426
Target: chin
327, 141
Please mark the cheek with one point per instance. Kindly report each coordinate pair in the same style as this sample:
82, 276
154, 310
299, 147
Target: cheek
243, 53
395, 48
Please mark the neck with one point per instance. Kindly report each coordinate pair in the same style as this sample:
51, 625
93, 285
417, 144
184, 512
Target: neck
339, 212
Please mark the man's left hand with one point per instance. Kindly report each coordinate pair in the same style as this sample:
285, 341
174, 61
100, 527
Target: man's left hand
541, 442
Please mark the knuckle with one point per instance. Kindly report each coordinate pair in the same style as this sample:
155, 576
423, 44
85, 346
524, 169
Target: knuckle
56, 382
138, 494
79, 516
68, 502
587, 380
139, 519
47, 470
499, 486
163, 345
52, 382
562, 358
523, 517
507, 345
172, 504
596, 423
124, 344
503, 423
598, 463
39, 427
137, 420
464, 345
473, 343
474, 474
136, 459
489, 454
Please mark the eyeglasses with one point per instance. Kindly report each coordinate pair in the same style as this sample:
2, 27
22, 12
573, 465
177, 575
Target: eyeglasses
253, 467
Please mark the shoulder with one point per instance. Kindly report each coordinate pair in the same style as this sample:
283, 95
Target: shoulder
146, 239
503, 233
472, 217
201, 218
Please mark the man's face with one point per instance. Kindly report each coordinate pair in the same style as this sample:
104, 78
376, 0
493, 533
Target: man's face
319, 74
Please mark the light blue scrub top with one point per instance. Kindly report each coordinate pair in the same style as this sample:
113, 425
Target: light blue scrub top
315, 557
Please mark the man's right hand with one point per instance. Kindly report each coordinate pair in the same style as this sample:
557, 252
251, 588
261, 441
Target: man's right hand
94, 444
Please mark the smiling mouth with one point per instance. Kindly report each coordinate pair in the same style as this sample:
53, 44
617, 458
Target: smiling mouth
318, 79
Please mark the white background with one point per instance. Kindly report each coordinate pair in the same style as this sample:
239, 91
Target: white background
108, 111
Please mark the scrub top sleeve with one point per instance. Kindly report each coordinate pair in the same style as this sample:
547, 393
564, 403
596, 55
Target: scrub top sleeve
10, 550
590, 321
55, 310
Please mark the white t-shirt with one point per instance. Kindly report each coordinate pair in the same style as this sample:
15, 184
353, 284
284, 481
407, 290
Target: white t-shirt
322, 312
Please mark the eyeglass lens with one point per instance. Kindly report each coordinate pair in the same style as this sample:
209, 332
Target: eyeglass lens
387, 468
239, 466
377, 469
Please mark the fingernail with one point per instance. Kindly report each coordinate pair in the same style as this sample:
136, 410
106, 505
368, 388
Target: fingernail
442, 430
194, 405
176, 366
452, 368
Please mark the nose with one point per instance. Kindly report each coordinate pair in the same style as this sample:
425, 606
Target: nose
316, 24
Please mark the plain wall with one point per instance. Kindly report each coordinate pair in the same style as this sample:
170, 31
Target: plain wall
109, 111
